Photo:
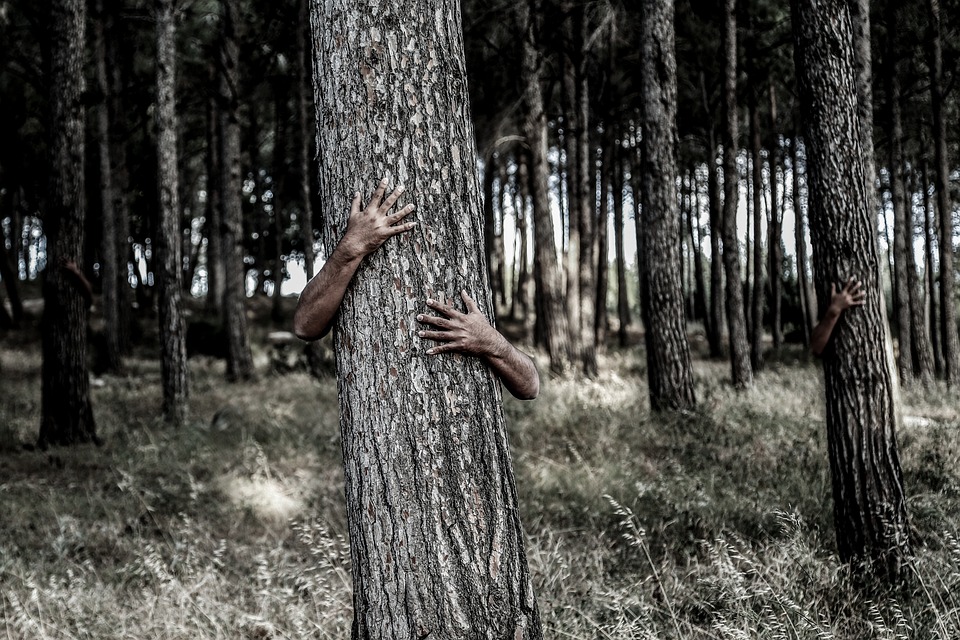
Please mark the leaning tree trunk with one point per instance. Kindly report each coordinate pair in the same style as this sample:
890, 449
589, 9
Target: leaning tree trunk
173, 346
948, 314
669, 371
239, 359
741, 372
554, 321
67, 415
436, 541
110, 263
859, 378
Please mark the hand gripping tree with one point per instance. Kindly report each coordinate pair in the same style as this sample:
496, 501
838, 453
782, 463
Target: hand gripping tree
436, 541
859, 372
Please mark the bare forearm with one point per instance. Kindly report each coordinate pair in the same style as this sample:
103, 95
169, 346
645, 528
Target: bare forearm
516, 370
322, 296
822, 332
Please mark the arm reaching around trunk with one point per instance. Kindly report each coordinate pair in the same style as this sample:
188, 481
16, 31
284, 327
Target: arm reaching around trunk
367, 229
842, 299
471, 333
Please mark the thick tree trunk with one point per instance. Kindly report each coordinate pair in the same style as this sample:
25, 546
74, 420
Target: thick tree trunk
239, 359
741, 372
307, 129
669, 370
173, 346
554, 321
67, 415
436, 541
948, 314
862, 395
110, 279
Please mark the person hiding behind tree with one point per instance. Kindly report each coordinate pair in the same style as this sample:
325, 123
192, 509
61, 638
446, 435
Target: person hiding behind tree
849, 295
469, 333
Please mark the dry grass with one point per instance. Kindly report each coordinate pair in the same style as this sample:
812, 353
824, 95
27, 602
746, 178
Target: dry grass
715, 524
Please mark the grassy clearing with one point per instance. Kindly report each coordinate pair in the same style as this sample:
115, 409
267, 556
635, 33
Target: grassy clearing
716, 524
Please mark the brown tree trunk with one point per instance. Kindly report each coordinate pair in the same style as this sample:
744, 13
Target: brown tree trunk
67, 414
669, 371
436, 541
741, 372
862, 396
173, 346
554, 321
948, 314
239, 359
307, 133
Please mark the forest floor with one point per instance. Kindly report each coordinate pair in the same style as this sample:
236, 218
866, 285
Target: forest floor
712, 524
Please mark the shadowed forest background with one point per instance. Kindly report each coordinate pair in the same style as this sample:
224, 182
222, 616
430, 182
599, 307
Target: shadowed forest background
219, 511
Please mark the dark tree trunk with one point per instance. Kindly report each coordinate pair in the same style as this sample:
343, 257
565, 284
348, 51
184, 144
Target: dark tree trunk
307, 129
586, 342
668, 352
173, 347
437, 545
602, 321
807, 299
554, 320
110, 263
623, 304
717, 297
700, 285
571, 139
941, 175
862, 396
929, 233
239, 359
741, 372
214, 206
490, 226
67, 414
756, 299
775, 237
279, 190
500, 285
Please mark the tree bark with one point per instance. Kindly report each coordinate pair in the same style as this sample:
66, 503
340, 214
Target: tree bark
717, 297
67, 414
173, 346
601, 319
862, 395
669, 371
948, 314
929, 233
741, 372
280, 171
700, 284
214, 207
623, 304
307, 128
239, 359
756, 299
436, 541
775, 236
587, 341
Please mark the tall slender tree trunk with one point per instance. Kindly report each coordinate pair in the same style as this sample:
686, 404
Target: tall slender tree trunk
66, 411
717, 297
554, 321
862, 396
239, 359
929, 233
700, 284
307, 130
490, 226
741, 371
574, 208
775, 236
948, 314
279, 190
808, 299
587, 340
602, 320
623, 304
110, 280
173, 346
669, 371
756, 299
436, 542
214, 208
922, 353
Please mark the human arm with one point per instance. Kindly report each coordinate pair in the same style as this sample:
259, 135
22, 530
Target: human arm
367, 229
850, 295
471, 333
77, 279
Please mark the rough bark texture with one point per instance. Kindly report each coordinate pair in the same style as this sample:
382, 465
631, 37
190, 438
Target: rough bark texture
696, 246
554, 320
601, 319
807, 299
239, 359
717, 297
861, 387
67, 415
623, 304
110, 263
756, 299
929, 233
775, 235
741, 372
436, 542
948, 314
307, 130
668, 352
214, 208
173, 346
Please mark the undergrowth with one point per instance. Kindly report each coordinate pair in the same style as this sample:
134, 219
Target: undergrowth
716, 524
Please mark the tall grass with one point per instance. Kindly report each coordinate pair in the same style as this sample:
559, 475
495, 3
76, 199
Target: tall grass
713, 524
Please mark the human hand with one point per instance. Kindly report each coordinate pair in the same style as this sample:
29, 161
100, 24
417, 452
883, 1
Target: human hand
469, 333
68, 265
370, 227
850, 295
